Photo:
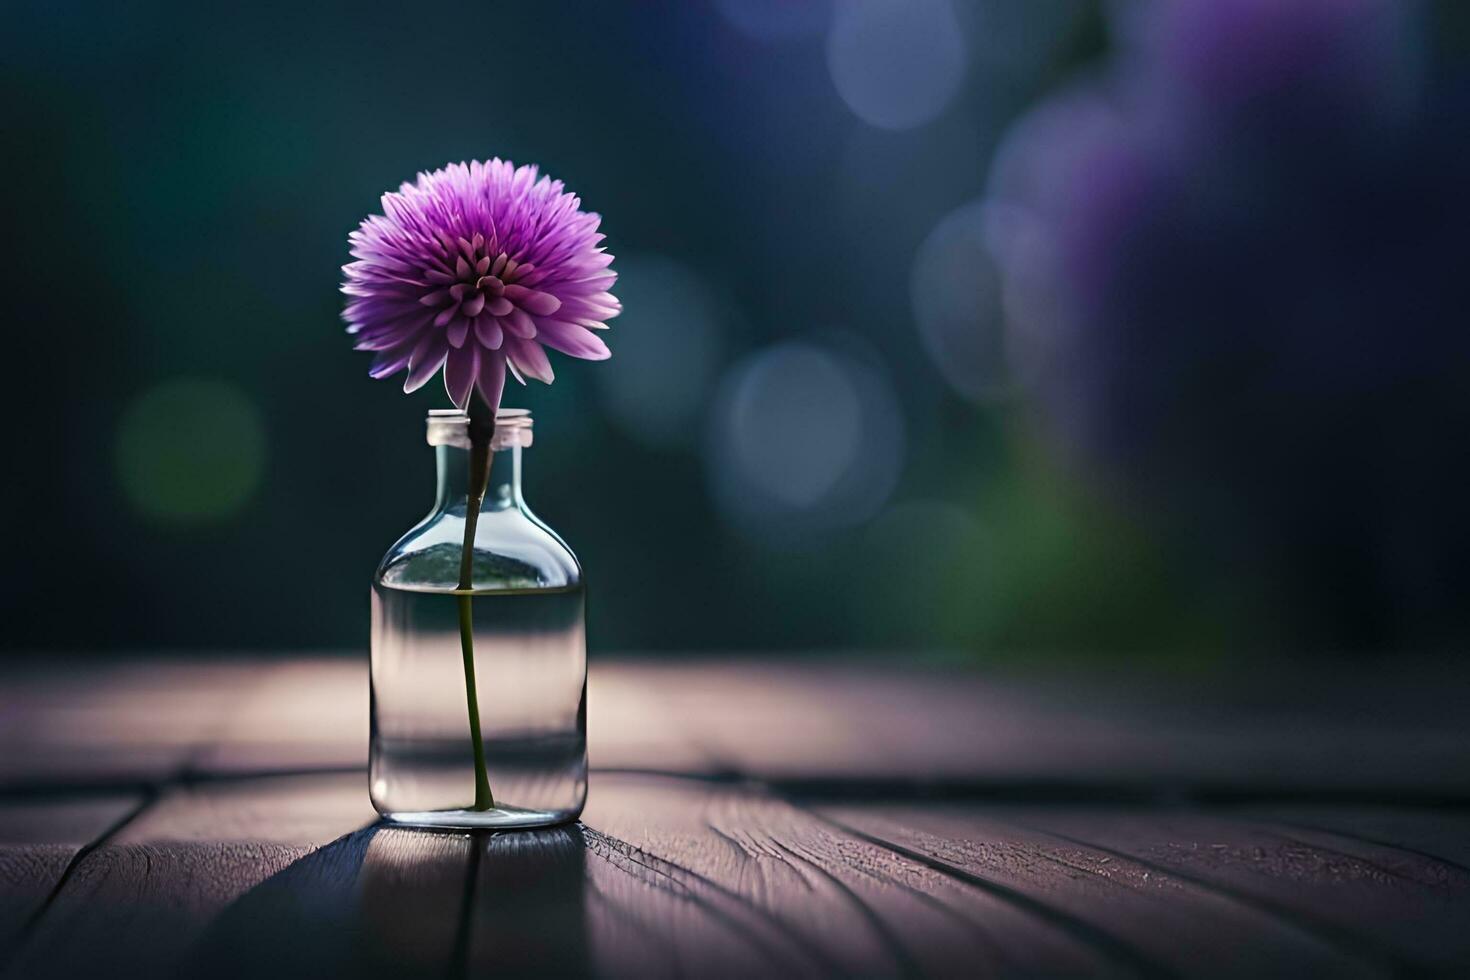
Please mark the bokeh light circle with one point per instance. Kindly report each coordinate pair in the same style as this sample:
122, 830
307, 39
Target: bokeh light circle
804, 437
796, 449
190, 451
896, 63
666, 348
957, 295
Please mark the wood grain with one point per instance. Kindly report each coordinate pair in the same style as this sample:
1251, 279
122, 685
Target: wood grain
689, 877
745, 818
527, 913
1170, 924
380, 902
144, 896
1256, 898
1389, 906
39, 838
1438, 833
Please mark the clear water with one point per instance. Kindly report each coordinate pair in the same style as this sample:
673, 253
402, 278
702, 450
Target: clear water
530, 675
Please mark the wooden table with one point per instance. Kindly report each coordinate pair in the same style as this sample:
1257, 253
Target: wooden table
748, 818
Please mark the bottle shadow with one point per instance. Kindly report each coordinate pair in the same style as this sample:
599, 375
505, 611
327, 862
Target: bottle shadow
390, 901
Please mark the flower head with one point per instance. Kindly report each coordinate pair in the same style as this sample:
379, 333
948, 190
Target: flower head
475, 267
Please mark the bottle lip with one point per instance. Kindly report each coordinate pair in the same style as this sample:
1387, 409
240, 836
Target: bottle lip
451, 427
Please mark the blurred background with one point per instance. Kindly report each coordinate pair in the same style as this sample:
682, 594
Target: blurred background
985, 329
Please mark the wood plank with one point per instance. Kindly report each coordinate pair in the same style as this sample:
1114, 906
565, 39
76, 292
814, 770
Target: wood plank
1174, 922
312, 713
1385, 908
69, 723
304, 811
1391, 910
1396, 906
382, 902
38, 840
697, 878
628, 727
529, 905
413, 899
824, 726
137, 903
776, 720
841, 727
1438, 833
308, 713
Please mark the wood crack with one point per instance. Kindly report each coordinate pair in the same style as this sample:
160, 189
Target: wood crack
149, 796
1363, 839
1382, 959
642, 859
1110, 946
890, 941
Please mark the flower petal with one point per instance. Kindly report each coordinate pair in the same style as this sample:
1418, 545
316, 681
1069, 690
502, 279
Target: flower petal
519, 323
392, 360
383, 339
488, 332
491, 381
499, 306
457, 332
572, 339
473, 305
532, 300
530, 358
579, 307
598, 259
595, 283
427, 358
460, 372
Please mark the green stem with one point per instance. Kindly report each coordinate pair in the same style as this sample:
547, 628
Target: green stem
482, 431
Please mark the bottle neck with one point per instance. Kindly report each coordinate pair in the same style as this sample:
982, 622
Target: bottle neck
502, 491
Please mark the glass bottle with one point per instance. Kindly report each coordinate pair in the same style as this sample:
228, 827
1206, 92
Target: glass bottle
529, 663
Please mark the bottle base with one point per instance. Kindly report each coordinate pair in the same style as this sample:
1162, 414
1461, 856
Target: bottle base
496, 818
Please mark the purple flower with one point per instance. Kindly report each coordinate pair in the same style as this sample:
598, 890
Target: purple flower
473, 268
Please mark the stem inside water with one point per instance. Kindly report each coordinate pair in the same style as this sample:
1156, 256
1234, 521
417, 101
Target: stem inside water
482, 431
